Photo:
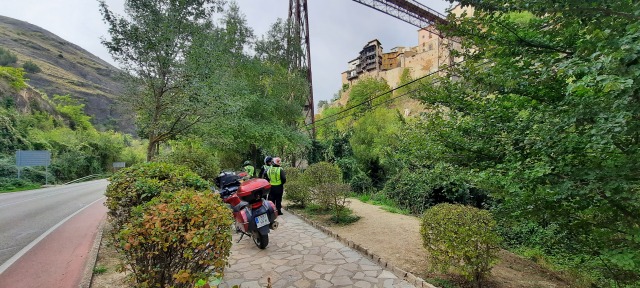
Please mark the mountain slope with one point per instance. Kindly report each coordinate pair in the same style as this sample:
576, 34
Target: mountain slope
67, 69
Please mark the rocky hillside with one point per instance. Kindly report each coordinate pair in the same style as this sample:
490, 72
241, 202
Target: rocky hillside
67, 69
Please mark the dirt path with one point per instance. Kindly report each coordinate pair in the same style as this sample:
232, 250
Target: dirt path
396, 238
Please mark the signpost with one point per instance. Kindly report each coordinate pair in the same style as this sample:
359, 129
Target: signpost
117, 165
26, 158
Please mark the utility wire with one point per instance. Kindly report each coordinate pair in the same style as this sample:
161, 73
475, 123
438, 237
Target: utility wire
388, 100
385, 93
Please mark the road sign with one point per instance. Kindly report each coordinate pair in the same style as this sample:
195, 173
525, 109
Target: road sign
119, 164
26, 158
33, 158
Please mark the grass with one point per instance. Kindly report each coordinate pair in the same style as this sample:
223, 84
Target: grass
380, 199
8, 189
443, 283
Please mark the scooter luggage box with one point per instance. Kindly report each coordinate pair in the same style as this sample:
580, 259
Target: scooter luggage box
233, 200
253, 190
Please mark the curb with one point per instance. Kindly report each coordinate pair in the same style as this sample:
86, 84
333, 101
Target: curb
87, 274
408, 276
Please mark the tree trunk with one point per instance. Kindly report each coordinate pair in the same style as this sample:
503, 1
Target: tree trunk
152, 149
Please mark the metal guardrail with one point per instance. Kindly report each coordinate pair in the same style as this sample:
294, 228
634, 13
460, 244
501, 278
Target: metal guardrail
82, 179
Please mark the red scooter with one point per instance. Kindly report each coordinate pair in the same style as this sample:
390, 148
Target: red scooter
254, 214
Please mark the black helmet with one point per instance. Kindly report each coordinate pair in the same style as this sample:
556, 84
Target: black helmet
267, 159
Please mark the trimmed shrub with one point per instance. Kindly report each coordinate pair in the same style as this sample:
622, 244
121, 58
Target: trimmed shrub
322, 173
293, 174
177, 239
462, 238
334, 197
297, 192
194, 156
319, 174
138, 184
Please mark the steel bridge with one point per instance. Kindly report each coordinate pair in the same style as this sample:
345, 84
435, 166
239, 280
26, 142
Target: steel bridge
409, 11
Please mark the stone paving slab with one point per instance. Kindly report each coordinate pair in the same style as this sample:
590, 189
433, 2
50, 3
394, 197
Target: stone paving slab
300, 255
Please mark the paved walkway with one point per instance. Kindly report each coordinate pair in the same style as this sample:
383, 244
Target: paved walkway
299, 255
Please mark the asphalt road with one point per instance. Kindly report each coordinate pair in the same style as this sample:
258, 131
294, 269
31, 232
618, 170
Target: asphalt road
26, 215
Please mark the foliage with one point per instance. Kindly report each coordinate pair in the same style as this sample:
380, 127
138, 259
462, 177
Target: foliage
7, 57
420, 189
364, 91
332, 196
31, 67
293, 174
322, 173
462, 238
176, 239
379, 198
136, 185
15, 76
374, 134
297, 192
11, 138
15, 184
74, 111
361, 183
193, 155
154, 44
260, 110
550, 126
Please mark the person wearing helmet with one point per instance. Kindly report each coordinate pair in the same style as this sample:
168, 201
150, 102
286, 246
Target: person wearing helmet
247, 167
277, 178
265, 167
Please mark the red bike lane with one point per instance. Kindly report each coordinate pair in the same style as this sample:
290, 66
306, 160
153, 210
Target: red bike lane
61, 258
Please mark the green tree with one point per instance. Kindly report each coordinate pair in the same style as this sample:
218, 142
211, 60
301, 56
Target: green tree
370, 92
550, 126
151, 44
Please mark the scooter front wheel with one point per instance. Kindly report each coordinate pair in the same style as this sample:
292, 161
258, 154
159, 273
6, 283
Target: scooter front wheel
261, 240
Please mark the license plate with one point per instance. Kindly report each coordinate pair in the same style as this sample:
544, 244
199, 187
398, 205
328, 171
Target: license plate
262, 220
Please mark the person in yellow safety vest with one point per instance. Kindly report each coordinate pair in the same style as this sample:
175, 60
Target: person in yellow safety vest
277, 178
249, 169
267, 164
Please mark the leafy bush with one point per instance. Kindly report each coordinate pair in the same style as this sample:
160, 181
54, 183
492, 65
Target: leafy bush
15, 76
418, 190
7, 57
411, 190
194, 156
31, 67
177, 239
462, 238
293, 174
9, 184
322, 173
297, 192
319, 174
361, 183
332, 196
138, 184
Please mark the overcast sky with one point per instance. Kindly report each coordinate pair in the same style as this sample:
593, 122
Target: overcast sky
339, 29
